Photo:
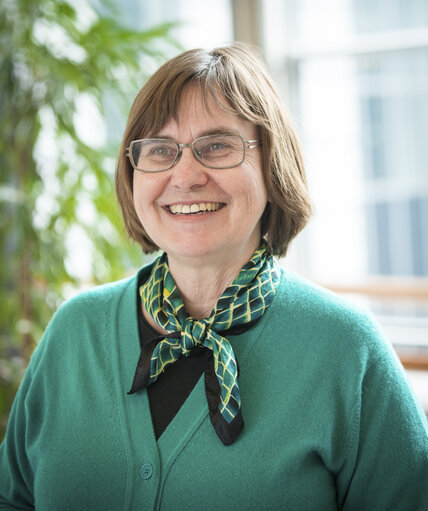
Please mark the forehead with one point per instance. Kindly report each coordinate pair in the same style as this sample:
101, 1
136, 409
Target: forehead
202, 114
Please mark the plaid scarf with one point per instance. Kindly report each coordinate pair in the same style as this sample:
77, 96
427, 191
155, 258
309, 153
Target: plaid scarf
242, 303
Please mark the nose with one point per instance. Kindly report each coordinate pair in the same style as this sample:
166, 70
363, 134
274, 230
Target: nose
188, 173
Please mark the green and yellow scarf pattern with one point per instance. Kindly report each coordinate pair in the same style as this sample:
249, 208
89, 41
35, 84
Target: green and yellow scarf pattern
243, 302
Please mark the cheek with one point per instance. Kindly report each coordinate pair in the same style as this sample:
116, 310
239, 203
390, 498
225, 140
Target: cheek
138, 206
144, 193
256, 187
136, 192
254, 172
252, 204
137, 198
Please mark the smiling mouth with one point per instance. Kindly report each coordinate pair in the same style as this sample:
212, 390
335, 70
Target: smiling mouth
195, 209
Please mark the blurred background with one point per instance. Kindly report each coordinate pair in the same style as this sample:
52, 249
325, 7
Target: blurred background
354, 75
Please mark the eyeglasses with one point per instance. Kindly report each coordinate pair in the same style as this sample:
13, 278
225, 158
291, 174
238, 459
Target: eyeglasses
222, 151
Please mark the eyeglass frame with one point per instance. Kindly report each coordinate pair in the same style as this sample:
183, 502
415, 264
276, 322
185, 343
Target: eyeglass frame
180, 146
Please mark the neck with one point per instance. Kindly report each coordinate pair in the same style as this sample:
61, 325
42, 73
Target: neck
202, 282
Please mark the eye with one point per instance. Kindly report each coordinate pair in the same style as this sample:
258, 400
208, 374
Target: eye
216, 146
162, 151
214, 149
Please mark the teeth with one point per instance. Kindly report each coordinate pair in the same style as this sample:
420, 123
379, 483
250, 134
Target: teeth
176, 208
185, 209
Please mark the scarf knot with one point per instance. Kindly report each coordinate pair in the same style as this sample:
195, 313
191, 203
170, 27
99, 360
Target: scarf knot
193, 334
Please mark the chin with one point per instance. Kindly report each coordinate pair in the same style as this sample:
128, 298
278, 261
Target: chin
196, 247
191, 251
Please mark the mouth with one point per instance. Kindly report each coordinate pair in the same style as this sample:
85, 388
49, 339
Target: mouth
197, 208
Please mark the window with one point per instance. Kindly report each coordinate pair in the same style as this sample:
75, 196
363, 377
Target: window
355, 75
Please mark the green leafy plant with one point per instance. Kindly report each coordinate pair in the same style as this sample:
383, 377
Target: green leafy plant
62, 62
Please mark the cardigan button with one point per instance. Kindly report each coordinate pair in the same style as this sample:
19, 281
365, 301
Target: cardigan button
146, 471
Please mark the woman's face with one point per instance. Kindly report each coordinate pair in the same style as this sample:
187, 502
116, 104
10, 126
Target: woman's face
238, 195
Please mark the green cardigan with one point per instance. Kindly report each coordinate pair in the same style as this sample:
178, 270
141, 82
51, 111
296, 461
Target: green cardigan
330, 422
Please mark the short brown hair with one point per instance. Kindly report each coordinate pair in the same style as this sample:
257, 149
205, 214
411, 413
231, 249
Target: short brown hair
237, 79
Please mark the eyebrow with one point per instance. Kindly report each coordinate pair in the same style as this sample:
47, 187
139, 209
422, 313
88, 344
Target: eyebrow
220, 130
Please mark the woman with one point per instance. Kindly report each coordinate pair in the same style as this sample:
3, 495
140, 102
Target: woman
213, 379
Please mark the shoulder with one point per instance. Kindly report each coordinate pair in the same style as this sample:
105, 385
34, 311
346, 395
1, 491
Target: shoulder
95, 301
314, 302
102, 299
308, 297
322, 320
88, 320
